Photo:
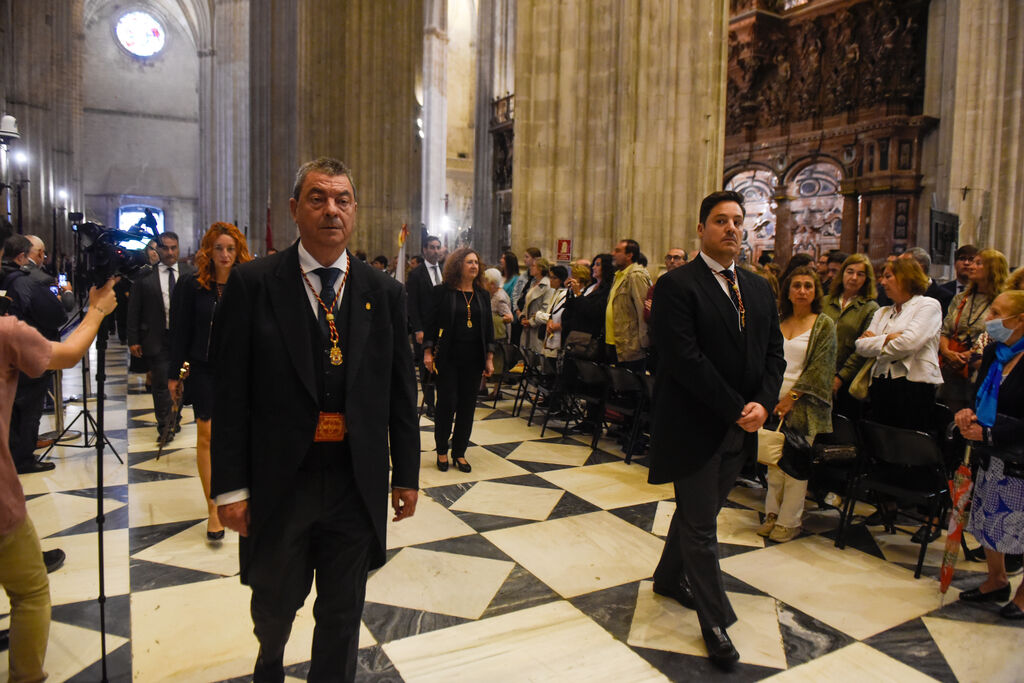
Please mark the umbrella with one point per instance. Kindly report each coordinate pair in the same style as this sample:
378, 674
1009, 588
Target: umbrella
175, 409
960, 492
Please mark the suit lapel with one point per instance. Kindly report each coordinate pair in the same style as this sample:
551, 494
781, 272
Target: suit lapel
709, 281
290, 304
360, 288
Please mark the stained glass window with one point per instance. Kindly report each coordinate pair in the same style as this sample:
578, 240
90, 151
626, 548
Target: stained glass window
140, 34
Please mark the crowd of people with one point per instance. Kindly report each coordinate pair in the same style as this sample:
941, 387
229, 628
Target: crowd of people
730, 347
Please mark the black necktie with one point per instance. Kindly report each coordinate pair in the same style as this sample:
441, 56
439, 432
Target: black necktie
328, 276
734, 294
170, 281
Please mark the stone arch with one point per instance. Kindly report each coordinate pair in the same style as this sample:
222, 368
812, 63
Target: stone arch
812, 188
758, 184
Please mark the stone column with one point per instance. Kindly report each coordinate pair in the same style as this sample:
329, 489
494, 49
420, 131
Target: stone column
435, 114
620, 108
224, 122
495, 63
978, 95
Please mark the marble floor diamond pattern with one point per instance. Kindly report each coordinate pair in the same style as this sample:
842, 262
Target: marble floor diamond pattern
535, 566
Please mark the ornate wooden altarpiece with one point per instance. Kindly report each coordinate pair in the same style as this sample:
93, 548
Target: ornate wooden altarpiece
823, 123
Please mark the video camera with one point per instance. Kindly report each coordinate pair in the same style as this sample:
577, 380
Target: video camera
107, 252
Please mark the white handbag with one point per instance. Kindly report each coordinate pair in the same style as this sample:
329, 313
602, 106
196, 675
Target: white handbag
769, 445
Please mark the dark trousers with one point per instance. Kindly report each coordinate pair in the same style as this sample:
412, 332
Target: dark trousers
691, 547
425, 381
25, 416
458, 381
324, 531
902, 403
162, 404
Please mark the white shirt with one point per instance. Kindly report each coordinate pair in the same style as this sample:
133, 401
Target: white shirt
915, 353
716, 268
307, 264
165, 287
434, 270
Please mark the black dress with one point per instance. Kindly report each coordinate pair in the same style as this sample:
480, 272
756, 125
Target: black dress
460, 351
193, 308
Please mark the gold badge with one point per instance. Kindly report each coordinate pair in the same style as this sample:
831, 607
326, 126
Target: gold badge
367, 305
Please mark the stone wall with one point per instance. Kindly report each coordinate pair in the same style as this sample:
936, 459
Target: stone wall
619, 122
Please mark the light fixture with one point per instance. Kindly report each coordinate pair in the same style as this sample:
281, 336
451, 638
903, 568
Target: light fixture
21, 158
62, 193
8, 129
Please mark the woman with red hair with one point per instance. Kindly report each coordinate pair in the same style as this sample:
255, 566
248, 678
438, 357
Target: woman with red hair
193, 307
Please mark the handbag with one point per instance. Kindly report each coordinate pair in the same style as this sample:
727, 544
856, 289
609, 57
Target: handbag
862, 380
829, 453
582, 345
769, 445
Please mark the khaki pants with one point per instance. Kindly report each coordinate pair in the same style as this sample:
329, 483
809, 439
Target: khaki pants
23, 576
785, 497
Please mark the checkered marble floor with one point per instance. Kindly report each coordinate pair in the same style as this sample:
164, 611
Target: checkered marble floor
534, 566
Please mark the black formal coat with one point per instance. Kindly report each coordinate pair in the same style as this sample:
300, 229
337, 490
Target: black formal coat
266, 391
146, 321
440, 318
707, 369
421, 297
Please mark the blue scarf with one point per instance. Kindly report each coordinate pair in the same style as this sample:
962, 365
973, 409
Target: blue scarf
988, 394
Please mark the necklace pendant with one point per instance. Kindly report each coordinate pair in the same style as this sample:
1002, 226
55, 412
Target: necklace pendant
469, 323
335, 356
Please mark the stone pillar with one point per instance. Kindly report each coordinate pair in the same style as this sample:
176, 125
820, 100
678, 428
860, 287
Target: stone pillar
224, 122
620, 108
495, 66
978, 95
42, 89
349, 94
784, 229
435, 114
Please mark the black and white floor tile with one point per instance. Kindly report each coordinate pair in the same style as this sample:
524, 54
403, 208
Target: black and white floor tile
534, 566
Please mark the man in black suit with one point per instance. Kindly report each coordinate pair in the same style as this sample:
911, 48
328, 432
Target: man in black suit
963, 259
935, 290
314, 382
716, 328
422, 280
149, 306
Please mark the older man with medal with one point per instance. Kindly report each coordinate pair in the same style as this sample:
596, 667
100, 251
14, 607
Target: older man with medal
316, 397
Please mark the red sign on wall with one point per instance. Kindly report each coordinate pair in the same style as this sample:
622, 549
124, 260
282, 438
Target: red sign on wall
564, 250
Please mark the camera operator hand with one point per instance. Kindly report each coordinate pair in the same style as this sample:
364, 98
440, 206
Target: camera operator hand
102, 301
104, 298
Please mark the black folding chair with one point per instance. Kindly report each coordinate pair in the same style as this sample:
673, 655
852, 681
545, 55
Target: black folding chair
511, 357
904, 465
626, 397
590, 386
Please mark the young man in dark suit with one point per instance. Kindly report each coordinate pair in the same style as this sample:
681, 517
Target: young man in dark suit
149, 317
315, 390
422, 280
716, 329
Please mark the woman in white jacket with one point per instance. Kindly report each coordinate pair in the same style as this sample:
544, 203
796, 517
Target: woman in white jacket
904, 340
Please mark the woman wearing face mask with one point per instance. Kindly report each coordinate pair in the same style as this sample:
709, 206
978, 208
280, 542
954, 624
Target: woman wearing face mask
995, 426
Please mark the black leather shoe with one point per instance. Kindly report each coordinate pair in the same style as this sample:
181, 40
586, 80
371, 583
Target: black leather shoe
680, 592
975, 595
1011, 611
443, 464
1014, 564
919, 535
34, 466
721, 651
462, 464
54, 560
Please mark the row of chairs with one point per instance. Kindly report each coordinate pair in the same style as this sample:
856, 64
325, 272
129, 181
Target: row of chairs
578, 391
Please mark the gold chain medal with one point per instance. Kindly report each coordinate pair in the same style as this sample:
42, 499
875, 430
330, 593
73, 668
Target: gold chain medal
469, 313
335, 352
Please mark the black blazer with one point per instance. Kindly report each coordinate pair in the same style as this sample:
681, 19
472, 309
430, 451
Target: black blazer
445, 301
707, 369
421, 297
192, 311
266, 392
146, 322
